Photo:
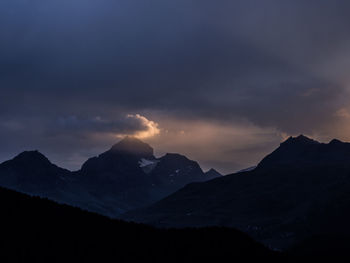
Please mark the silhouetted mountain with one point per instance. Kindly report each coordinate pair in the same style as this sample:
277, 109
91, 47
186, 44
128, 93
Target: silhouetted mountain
213, 173
38, 230
307, 152
130, 174
119, 167
133, 146
127, 176
32, 171
300, 190
120, 164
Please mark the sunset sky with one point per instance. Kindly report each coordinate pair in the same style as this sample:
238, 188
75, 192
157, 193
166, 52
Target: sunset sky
222, 82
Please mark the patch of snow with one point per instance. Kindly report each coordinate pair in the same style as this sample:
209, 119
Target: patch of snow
144, 162
177, 171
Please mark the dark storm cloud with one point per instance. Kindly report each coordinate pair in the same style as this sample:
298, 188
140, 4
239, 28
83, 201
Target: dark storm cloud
73, 124
273, 63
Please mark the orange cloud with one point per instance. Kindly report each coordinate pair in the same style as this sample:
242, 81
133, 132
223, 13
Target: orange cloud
151, 127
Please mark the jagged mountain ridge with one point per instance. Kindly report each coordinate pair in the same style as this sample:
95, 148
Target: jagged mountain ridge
292, 194
125, 177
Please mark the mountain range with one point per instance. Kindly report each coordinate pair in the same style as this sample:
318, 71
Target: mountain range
127, 176
298, 194
300, 190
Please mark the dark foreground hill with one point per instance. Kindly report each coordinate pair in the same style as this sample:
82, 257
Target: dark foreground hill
38, 230
299, 191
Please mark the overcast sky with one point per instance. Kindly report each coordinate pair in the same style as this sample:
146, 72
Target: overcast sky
223, 82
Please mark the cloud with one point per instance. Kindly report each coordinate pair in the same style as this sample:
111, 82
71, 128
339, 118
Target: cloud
280, 66
229, 60
132, 124
150, 127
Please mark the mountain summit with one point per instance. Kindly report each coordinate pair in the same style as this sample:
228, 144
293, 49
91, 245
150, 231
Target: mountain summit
303, 150
133, 146
213, 173
30, 171
31, 158
299, 140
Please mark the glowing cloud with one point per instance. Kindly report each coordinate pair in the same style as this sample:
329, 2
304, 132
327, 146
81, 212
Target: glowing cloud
150, 127
131, 124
